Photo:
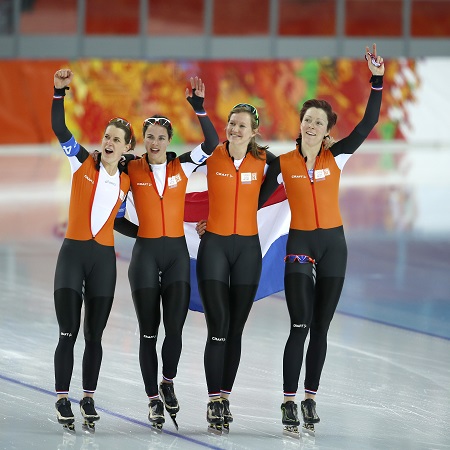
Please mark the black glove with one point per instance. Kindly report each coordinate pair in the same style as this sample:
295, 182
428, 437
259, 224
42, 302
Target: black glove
196, 102
126, 158
60, 91
377, 81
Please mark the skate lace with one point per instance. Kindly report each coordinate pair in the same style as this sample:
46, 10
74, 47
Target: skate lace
309, 409
226, 408
168, 393
156, 408
290, 411
215, 410
88, 407
64, 409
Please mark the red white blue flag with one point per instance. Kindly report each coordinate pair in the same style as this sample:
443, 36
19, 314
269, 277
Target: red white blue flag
273, 225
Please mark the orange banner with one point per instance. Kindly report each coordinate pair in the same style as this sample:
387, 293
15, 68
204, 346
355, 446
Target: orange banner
103, 89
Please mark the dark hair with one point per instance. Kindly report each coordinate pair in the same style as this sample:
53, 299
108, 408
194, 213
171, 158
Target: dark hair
320, 104
253, 147
163, 123
122, 124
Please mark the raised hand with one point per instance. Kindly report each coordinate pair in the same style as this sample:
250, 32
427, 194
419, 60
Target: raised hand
62, 78
196, 96
374, 61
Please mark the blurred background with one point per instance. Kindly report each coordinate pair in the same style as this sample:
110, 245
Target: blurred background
133, 58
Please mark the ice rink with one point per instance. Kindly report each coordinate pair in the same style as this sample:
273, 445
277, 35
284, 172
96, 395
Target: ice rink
386, 381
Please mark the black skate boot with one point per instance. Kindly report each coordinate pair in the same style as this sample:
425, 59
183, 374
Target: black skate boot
310, 416
289, 419
169, 398
227, 417
156, 413
64, 414
214, 416
89, 413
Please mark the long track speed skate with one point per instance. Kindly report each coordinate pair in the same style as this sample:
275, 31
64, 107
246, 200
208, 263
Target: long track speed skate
214, 416
156, 414
90, 416
65, 415
227, 416
310, 416
167, 392
290, 419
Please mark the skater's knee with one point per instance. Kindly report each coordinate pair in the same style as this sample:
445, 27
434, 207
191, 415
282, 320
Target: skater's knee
173, 335
320, 330
235, 333
68, 335
300, 325
299, 331
148, 339
94, 336
217, 339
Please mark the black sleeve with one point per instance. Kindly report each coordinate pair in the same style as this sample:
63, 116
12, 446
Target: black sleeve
349, 144
125, 227
123, 163
211, 137
270, 157
58, 116
270, 183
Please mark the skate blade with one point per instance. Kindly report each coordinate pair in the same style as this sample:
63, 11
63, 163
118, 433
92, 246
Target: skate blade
173, 417
226, 427
215, 428
88, 427
308, 429
157, 426
291, 431
69, 427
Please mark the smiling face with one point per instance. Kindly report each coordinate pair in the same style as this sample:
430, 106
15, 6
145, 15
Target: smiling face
239, 128
314, 126
113, 145
156, 141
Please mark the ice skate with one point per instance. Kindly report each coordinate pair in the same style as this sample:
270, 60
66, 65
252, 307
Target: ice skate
65, 415
156, 413
227, 416
214, 416
89, 414
169, 398
310, 416
289, 419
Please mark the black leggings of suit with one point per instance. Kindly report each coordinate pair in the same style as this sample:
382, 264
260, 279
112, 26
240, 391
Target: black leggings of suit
160, 272
88, 264
312, 303
228, 272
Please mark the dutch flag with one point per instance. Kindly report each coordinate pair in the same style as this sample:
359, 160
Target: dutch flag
273, 225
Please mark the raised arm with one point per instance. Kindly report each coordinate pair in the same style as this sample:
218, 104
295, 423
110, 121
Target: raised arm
61, 82
349, 144
76, 153
372, 113
195, 96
